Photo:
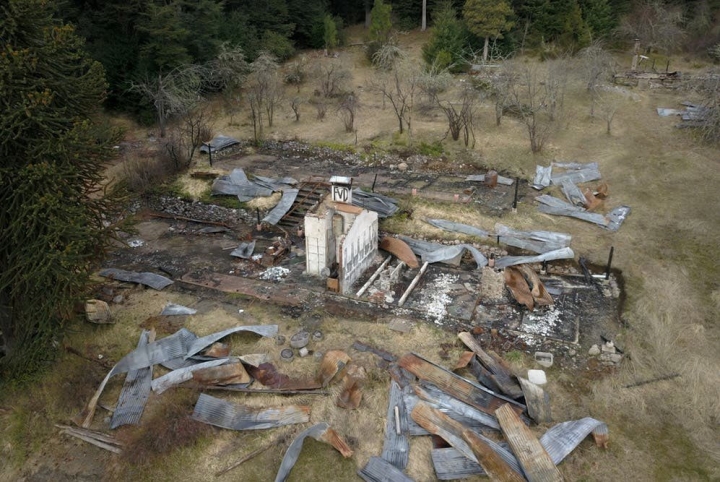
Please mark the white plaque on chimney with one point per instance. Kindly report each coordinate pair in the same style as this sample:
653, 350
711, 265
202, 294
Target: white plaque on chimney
341, 189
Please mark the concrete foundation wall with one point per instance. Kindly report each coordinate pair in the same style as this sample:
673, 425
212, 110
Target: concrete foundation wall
357, 248
319, 243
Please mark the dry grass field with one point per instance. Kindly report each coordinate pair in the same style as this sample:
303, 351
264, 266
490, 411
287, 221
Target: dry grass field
667, 250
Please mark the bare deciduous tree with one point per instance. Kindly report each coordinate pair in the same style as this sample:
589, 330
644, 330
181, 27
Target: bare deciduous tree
460, 115
432, 82
656, 24
398, 81
295, 104
538, 95
264, 91
191, 130
347, 110
175, 92
502, 86
332, 78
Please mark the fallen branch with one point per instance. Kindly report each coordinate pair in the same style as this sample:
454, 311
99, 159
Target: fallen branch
75, 352
248, 457
275, 391
97, 439
183, 218
653, 380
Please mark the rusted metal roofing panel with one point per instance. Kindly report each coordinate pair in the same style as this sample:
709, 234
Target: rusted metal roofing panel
396, 447
332, 363
228, 374
201, 343
500, 372
467, 392
562, 439
400, 250
450, 464
154, 281
218, 412
181, 375
282, 207
495, 465
135, 392
380, 470
442, 425
320, 432
534, 460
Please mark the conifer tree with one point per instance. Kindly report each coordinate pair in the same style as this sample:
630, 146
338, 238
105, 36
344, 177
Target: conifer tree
488, 18
51, 156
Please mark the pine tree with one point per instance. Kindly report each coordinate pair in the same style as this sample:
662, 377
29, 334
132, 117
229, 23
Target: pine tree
488, 18
380, 23
448, 38
51, 156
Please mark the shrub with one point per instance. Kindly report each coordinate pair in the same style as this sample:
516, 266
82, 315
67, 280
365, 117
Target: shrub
277, 44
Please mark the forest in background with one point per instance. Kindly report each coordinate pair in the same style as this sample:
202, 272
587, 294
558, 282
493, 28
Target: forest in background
137, 40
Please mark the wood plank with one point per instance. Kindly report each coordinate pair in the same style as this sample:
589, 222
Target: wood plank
460, 388
534, 460
500, 372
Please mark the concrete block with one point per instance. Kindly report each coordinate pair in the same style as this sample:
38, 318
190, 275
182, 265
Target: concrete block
544, 358
537, 377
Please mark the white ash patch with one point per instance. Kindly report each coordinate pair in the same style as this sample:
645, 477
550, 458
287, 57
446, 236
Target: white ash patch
275, 273
135, 243
434, 298
542, 322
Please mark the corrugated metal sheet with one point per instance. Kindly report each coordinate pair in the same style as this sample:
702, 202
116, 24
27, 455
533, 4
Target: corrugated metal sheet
573, 193
396, 447
458, 227
134, 394
617, 217
154, 281
542, 177
536, 241
221, 413
481, 178
443, 426
320, 432
171, 309
219, 143
383, 205
380, 470
441, 399
282, 207
441, 253
575, 172
562, 439
181, 375
450, 464
244, 250
499, 370
227, 374
558, 207
563, 253
201, 343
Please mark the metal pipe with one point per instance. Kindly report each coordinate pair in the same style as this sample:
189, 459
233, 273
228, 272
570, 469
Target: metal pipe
374, 181
517, 183
609, 263
412, 285
374, 276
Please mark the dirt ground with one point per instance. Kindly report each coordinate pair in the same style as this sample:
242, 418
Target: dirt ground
665, 250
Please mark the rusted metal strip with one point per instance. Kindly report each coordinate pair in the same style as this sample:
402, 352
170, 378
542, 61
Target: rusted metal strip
218, 412
135, 391
460, 388
396, 447
380, 470
536, 463
450, 464
500, 372
385, 355
268, 375
320, 432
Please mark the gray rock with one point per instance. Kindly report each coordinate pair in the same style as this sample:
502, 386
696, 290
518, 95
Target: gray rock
594, 350
119, 299
97, 311
402, 167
